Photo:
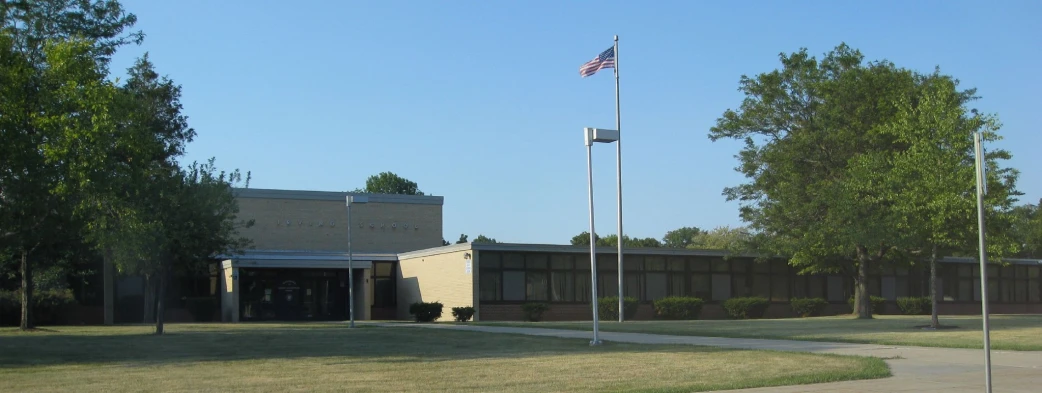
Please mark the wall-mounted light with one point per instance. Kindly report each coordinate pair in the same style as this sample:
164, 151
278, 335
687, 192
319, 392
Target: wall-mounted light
466, 255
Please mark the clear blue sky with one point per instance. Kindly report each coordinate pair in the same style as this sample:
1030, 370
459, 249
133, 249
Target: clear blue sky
481, 101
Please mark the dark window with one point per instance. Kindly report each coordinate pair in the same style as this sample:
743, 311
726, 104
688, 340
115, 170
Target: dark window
536, 286
779, 288
799, 286
761, 286
655, 264
656, 286
513, 261
561, 262
608, 283
514, 285
490, 286
676, 285
383, 289
562, 286
699, 264
676, 264
719, 265
536, 261
632, 263
633, 287
701, 286
582, 286
490, 260
740, 285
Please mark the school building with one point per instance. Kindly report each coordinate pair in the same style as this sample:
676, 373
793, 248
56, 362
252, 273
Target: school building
298, 270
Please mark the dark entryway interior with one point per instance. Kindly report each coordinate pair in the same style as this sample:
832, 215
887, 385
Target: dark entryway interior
293, 294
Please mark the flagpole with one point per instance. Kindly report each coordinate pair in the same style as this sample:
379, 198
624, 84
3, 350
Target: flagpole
618, 160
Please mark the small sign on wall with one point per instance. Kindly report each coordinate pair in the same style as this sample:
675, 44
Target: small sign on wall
466, 267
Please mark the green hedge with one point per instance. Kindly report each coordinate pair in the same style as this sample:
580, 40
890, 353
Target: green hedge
678, 307
877, 304
914, 305
808, 307
463, 314
426, 312
608, 308
746, 307
534, 311
49, 306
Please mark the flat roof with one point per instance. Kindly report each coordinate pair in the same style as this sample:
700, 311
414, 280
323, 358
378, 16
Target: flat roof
567, 248
265, 193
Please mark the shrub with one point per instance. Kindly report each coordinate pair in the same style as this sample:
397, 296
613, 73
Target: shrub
463, 314
746, 307
608, 308
49, 306
534, 311
201, 308
808, 307
678, 307
914, 305
877, 304
426, 312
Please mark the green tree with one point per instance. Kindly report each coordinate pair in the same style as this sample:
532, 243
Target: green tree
55, 104
680, 237
390, 183
821, 186
936, 168
1027, 229
583, 239
484, 239
462, 239
721, 238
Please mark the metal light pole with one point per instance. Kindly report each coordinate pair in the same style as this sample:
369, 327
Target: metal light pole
592, 135
982, 188
351, 199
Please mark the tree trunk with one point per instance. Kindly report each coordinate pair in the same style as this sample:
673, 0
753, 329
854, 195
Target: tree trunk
862, 302
27, 293
161, 307
148, 294
934, 323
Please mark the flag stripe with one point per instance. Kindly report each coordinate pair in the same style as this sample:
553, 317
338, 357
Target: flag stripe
605, 60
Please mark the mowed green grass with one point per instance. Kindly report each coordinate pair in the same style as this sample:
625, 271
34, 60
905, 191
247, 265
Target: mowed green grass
329, 357
1008, 332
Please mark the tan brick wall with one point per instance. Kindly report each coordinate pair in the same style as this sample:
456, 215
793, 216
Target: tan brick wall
320, 225
440, 278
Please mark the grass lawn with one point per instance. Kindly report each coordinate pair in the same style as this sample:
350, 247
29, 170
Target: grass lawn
328, 357
1008, 332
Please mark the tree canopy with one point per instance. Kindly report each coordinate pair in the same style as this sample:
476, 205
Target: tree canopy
390, 183
583, 239
822, 142
680, 237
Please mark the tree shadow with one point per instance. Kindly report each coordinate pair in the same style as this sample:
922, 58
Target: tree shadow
218, 343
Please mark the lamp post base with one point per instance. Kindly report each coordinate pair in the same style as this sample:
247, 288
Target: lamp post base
594, 343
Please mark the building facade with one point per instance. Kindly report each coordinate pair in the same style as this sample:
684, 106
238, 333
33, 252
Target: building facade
298, 269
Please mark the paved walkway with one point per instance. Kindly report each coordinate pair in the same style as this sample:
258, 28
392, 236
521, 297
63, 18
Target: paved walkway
915, 369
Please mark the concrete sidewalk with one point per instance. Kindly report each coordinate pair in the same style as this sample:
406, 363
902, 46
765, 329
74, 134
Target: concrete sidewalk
915, 369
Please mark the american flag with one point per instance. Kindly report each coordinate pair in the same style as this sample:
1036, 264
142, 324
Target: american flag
604, 60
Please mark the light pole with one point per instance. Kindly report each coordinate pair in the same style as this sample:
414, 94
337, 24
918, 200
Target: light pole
982, 189
592, 135
351, 199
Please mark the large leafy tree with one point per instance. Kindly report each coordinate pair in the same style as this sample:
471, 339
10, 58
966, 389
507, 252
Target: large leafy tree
390, 183
56, 112
937, 200
484, 239
821, 187
680, 237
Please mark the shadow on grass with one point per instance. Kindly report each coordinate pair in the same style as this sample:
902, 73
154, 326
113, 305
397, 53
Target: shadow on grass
133, 346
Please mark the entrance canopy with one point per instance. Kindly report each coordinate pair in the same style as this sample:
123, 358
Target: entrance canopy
267, 259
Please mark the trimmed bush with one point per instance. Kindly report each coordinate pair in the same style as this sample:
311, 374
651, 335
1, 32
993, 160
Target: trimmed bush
877, 304
746, 307
50, 306
808, 306
678, 307
534, 311
201, 308
426, 312
463, 314
914, 305
608, 308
